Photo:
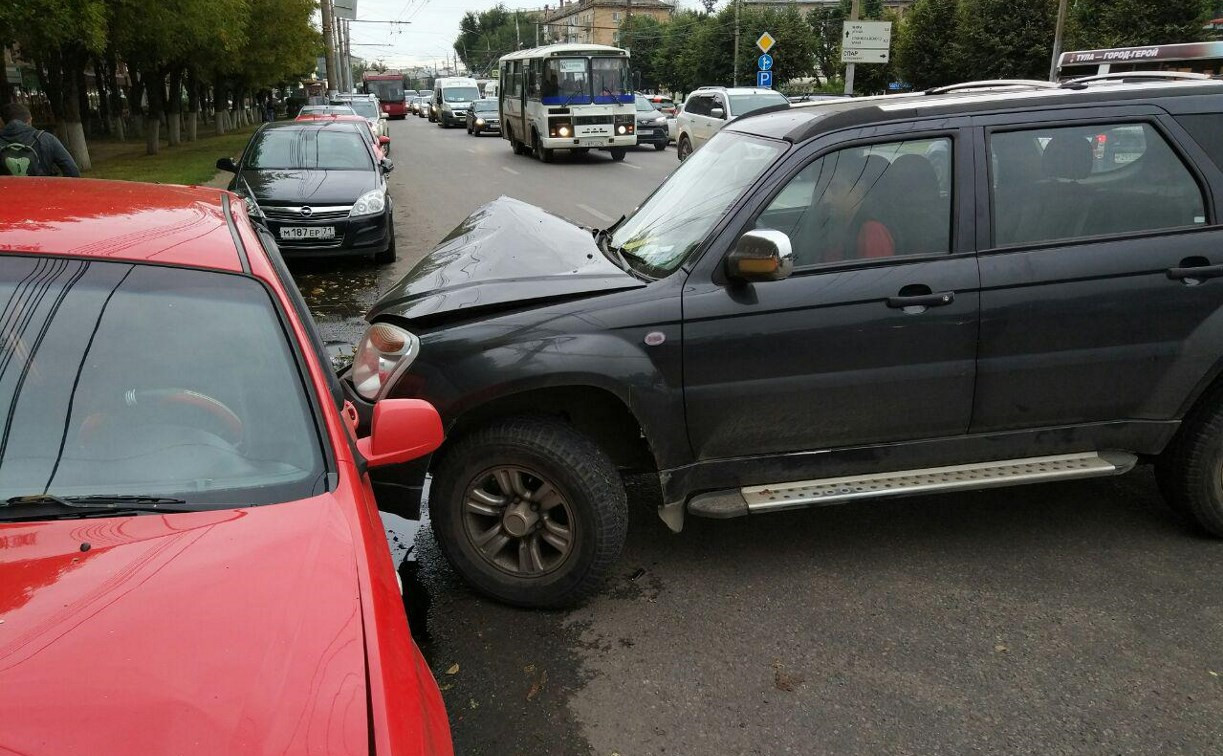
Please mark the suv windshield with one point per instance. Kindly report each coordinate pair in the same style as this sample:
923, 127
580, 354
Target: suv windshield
741, 104
309, 149
460, 94
137, 379
680, 212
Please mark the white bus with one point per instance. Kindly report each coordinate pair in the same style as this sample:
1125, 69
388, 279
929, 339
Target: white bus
567, 97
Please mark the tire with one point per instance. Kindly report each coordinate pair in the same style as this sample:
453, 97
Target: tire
683, 148
387, 256
1190, 470
618, 153
469, 131
660, 147
515, 144
544, 154
530, 452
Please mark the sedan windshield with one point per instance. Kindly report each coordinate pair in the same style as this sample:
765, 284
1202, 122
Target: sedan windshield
680, 213
310, 149
741, 104
484, 106
364, 108
139, 379
460, 94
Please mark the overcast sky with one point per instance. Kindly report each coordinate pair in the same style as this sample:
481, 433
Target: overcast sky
435, 25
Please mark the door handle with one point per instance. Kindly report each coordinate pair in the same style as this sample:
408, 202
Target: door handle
1195, 272
904, 300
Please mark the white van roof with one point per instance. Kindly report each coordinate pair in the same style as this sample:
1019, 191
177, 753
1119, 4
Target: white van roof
455, 81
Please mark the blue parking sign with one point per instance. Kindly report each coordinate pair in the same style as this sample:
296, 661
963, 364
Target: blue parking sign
765, 62
764, 79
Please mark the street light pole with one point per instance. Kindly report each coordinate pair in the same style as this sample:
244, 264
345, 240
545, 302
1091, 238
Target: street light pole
1057, 38
329, 45
737, 4
854, 12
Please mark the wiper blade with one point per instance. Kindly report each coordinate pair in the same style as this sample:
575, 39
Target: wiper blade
603, 240
101, 502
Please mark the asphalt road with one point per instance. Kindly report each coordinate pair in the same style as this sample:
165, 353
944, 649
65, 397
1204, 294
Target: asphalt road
1071, 618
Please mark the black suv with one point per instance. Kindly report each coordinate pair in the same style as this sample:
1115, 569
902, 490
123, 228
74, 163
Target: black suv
971, 287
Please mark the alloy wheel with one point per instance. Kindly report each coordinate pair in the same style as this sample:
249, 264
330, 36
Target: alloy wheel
518, 521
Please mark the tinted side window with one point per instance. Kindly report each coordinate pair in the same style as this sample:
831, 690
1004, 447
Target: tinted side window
867, 202
1082, 181
1207, 130
698, 105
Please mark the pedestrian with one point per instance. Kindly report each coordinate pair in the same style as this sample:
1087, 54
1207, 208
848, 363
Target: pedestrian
27, 151
271, 110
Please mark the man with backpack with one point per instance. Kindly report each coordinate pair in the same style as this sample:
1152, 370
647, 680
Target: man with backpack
26, 151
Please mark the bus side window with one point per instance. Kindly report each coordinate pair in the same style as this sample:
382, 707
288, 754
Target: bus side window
533, 80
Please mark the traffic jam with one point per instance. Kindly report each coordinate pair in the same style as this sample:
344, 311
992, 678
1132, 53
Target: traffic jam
193, 555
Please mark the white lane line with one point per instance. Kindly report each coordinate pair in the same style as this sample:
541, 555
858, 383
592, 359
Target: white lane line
595, 213
508, 169
630, 165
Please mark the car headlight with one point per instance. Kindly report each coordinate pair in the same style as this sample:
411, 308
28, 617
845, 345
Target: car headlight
660, 119
479, 121
252, 207
384, 351
370, 203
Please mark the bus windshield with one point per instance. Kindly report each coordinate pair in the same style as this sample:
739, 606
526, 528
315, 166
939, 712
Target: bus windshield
387, 91
583, 80
609, 76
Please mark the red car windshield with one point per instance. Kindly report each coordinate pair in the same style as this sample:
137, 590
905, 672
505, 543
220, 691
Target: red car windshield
131, 379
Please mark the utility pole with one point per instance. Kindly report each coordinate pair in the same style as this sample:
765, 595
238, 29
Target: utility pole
329, 45
517, 31
854, 10
628, 25
737, 4
1057, 38
346, 66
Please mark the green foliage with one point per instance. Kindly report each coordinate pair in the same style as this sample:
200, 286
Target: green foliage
485, 36
925, 46
1124, 23
44, 27
643, 36
1003, 39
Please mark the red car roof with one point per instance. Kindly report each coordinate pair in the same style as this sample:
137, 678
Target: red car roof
121, 220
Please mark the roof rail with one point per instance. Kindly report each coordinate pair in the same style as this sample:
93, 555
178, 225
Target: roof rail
993, 84
1082, 82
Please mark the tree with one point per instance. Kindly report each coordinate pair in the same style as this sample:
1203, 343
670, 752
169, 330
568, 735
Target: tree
59, 37
926, 54
484, 37
826, 25
1003, 39
1125, 23
644, 36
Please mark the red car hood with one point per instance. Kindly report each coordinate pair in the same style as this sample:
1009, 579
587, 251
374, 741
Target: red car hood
234, 631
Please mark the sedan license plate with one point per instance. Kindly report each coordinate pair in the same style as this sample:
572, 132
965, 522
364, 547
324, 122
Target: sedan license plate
307, 232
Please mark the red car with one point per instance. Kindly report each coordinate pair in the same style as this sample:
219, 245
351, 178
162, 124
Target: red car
191, 560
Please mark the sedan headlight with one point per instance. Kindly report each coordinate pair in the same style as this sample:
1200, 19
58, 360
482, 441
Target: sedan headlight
252, 207
370, 203
479, 121
384, 351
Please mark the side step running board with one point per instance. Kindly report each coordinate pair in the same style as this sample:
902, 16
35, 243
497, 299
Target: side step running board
814, 493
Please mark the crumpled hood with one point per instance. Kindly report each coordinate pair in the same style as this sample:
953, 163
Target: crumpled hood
506, 252
233, 631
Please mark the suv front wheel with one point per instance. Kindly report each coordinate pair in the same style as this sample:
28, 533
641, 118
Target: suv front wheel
1190, 471
683, 148
529, 512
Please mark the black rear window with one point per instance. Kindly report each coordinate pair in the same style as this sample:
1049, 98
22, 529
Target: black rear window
1207, 130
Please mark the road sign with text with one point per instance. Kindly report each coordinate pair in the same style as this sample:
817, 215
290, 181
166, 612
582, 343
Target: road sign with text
866, 41
764, 79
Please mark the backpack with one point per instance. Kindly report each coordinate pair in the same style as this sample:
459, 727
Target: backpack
20, 159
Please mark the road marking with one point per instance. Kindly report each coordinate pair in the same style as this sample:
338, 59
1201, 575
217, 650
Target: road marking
508, 169
595, 213
471, 150
630, 165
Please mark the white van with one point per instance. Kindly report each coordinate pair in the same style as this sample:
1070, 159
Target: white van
491, 89
451, 97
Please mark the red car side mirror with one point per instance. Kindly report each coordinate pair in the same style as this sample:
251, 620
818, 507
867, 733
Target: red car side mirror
384, 140
401, 430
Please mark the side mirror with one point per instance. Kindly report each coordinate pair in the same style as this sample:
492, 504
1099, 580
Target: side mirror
384, 140
400, 430
227, 164
387, 165
717, 113
762, 254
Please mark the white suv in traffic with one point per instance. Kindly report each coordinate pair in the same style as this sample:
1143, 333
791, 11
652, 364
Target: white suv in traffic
709, 108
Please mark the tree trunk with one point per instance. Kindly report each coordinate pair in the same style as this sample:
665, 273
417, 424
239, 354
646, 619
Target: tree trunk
193, 104
7, 93
104, 83
175, 106
155, 85
218, 105
135, 100
71, 72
